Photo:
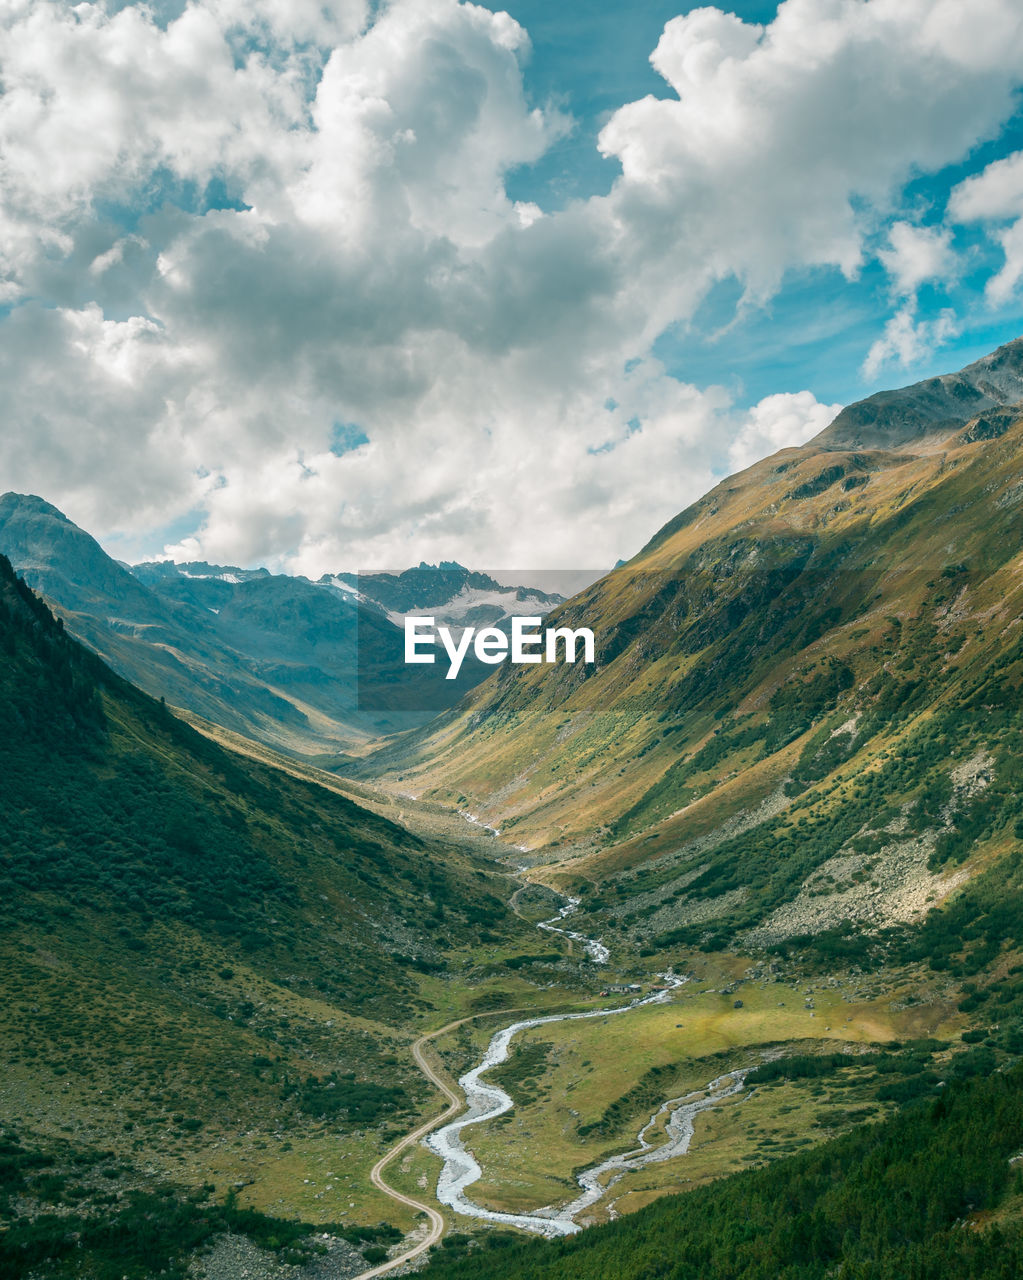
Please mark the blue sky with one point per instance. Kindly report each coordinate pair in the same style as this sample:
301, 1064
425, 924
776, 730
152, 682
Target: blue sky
340, 285
593, 57
815, 332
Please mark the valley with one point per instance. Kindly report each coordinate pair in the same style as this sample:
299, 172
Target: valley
681, 925
310, 669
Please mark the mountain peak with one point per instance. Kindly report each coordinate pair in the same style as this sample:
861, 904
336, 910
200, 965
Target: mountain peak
58, 558
29, 504
150, 571
934, 407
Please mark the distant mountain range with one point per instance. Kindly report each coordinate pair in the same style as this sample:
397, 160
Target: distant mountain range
270, 656
455, 596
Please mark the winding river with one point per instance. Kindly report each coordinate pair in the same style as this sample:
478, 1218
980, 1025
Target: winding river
597, 952
485, 1101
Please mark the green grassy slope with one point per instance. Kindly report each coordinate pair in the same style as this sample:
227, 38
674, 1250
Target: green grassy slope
208, 967
69, 1210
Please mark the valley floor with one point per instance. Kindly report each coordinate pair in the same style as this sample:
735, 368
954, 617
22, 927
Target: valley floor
582, 1089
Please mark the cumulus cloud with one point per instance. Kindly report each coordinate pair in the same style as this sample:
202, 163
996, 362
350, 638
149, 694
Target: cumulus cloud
907, 341
786, 144
917, 255
996, 196
997, 192
97, 415
778, 422
225, 230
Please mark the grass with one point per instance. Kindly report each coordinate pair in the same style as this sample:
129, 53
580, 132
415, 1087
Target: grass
167, 1053
324, 1178
170, 1042
753, 1127
530, 1156
415, 1173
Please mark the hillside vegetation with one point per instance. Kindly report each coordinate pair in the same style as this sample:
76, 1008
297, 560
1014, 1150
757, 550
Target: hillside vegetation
803, 716
208, 967
930, 1194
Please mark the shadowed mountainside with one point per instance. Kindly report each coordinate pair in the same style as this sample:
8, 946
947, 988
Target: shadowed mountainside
204, 962
268, 656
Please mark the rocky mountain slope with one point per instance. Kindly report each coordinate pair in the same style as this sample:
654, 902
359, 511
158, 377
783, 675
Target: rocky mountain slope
455, 596
802, 716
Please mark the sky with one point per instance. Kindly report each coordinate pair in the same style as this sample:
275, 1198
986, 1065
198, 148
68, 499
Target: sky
353, 285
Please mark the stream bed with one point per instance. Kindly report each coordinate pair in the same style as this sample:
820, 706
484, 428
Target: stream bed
486, 1100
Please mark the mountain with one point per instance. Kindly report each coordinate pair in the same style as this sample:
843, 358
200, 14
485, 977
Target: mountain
209, 969
273, 657
802, 719
303, 699
338, 638
794, 772
313, 669
455, 596
935, 408
66, 563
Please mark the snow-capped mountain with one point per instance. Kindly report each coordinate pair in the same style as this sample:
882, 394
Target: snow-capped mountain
455, 596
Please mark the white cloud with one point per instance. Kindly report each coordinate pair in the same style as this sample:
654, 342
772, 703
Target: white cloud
996, 195
379, 274
779, 137
1005, 284
457, 489
917, 255
778, 422
907, 341
102, 417
997, 192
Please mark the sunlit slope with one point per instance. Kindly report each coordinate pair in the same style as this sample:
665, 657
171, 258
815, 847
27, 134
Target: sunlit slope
783, 636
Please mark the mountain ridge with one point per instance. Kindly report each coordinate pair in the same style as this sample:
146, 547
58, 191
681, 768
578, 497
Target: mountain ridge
278, 665
278, 658
993, 381
748, 673
226, 960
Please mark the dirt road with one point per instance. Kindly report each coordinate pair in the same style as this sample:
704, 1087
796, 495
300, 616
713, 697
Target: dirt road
455, 1104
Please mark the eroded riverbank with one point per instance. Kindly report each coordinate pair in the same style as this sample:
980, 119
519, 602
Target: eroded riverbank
485, 1101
